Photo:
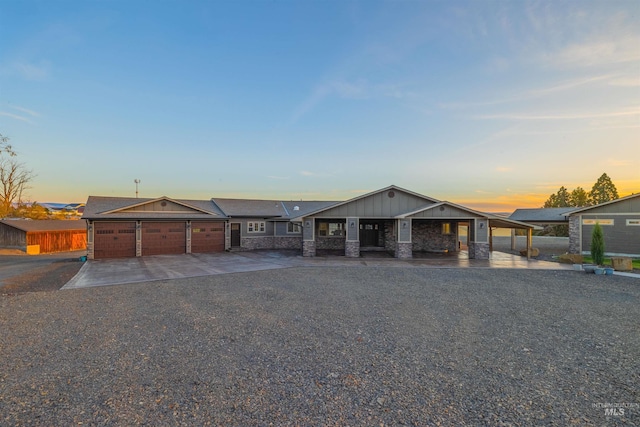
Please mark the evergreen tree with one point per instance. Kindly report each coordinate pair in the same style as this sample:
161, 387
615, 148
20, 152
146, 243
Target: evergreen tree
597, 245
559, 200
603, 190
579, 197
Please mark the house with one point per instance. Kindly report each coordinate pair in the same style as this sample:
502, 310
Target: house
43, 236
391, 219
620, 222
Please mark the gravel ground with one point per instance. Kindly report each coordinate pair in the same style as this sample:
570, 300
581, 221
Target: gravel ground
49, 277
327, 346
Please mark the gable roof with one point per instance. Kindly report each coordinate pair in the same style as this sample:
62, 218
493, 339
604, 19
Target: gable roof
394, 188
99, 207
46, 224
542, 215
494, 220
611, 202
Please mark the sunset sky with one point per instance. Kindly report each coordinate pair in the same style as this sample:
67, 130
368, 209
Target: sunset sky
489, 104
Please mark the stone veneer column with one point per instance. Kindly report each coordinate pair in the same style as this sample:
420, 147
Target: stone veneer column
574, 234
308, 248
352, 249
138, 238
404, 250
479, 250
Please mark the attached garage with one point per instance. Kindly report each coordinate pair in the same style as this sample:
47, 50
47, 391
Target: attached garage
164, 238
125, 227
115, 239
207, 237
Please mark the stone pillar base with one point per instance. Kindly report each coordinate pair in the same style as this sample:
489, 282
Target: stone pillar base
352, 249
478, 250
404, 250
308, 248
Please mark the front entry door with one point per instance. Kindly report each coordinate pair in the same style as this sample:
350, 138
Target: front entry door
235, 234
369, 234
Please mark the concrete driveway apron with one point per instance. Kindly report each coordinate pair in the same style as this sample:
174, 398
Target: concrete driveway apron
163, 267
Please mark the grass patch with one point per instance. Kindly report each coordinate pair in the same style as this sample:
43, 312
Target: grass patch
635, 262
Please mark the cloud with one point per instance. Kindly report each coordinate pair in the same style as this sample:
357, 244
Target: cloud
26, 110
594, 53
558, 116
353, 90
26, 70
15, 116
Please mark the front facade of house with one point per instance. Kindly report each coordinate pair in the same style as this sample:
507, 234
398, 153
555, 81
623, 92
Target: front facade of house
620, 223
393, 220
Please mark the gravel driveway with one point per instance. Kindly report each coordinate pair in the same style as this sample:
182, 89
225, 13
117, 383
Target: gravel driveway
327, 346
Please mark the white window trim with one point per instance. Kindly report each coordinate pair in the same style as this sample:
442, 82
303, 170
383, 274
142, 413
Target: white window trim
259, 227
294, 225
633, 222
603, 222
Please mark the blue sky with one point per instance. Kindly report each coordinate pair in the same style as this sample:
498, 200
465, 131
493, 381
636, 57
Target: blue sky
489, 104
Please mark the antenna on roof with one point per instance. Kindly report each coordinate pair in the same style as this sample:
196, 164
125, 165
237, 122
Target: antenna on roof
137, 181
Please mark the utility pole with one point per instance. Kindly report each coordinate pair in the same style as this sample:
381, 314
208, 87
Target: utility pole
137, 181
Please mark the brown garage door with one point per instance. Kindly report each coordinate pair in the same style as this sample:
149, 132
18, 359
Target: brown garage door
207, 237
114, 240
163, 238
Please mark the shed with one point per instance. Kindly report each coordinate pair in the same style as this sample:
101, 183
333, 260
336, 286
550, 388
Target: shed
43, 236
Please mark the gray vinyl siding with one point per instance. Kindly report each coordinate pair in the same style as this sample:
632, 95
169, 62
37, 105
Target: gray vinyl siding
619, 238
268, 227
442, 212
404, 233
353, 232
378, 205
281, 228
482, 234
631, 205
307, 228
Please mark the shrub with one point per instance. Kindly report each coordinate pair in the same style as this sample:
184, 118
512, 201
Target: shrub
597, 245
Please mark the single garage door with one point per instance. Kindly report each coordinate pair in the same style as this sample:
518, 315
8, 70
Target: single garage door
207, 237
163, 238
114, 240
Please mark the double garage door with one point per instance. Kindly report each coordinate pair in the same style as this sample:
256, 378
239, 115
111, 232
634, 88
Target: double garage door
118, 239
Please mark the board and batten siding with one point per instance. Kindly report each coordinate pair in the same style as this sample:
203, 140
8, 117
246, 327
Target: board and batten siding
379, 205
619, 238
12, 238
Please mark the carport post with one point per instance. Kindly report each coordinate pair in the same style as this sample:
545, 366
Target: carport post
513, 239
529, 236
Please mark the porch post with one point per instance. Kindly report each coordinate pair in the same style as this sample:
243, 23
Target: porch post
529, 236
352, 243
404, 245
308, 237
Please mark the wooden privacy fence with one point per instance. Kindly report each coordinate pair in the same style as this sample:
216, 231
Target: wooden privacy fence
58, 241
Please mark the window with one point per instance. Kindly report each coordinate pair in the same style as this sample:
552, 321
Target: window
599, 221
633, 222
255, 227
331, 229
446, 228
293, 227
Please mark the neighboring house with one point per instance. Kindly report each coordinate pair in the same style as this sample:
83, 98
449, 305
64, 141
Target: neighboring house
43, 236
392, 219
620, 222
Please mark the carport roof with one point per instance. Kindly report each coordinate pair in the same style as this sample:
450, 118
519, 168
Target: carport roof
542, 215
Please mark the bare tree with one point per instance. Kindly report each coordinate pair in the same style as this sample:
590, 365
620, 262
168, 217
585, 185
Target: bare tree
14, 177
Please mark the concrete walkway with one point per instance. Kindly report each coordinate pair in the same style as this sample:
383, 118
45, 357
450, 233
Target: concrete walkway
162, 267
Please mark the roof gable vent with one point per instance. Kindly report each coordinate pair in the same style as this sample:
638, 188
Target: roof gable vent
296, 208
